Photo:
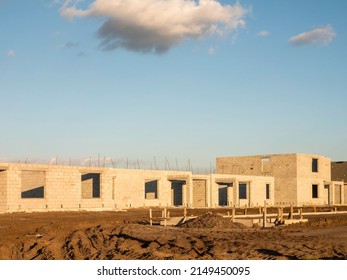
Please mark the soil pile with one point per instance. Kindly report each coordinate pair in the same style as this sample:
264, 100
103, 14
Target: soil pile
210, 220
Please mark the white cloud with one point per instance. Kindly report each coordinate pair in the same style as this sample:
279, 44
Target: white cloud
11, 53
263, 33
211, 50
318, 36
157, 25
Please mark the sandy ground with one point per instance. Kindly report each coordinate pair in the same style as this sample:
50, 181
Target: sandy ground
127, 235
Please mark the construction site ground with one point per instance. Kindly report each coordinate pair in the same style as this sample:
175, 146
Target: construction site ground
127, 235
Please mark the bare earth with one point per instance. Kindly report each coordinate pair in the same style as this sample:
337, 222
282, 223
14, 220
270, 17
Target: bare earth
127, 236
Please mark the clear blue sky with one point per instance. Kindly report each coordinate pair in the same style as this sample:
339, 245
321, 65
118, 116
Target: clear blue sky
93, 78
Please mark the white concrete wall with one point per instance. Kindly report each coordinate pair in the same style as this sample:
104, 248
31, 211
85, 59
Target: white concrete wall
119, 188
256, 189
3, 190
292, 172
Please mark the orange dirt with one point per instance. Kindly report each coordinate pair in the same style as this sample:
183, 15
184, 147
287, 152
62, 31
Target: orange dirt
127, 235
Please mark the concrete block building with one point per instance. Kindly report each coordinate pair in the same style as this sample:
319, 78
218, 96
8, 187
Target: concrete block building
217, 190
34, 187
339, 173
246, 181
300, 179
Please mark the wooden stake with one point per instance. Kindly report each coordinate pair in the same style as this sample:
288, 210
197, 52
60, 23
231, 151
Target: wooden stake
264, 215
233, 215
165, 216
291, 212
278, 214
150, 217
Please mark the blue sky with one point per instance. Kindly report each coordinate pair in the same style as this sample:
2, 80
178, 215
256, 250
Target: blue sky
257, 77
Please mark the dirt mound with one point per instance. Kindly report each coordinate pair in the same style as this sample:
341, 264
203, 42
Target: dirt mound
210, 220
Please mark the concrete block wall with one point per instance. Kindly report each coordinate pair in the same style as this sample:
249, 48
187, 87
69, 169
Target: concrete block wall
245, 165
200, 193
14, 190
3, 190
304, 167
282, 167
256, 189
305, 192
290, 178
129, 188
292, 172
119, 188
307, 178
32, 179
338, 192
284, 170
134, 180
339, 173
63, 187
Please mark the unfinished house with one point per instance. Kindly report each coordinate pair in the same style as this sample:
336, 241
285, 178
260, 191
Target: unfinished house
216, 190
241, 190
34, 187
249, 181
300, 179
339, 174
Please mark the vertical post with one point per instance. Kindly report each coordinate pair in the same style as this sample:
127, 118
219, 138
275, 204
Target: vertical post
300, 213
184, 194
291, 211
278, 214
290, 214
150, 217
208, 192
185, 212
230, 195
249, 193
246, 209
264, 215
233, 214
165, 215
